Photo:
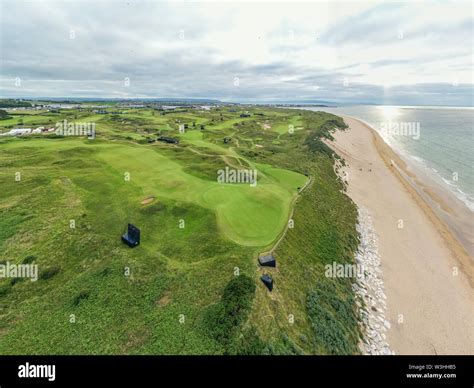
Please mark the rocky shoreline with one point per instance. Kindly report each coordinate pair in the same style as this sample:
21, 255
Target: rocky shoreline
371, 300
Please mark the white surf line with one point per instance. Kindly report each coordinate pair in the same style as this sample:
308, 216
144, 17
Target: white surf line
369, 289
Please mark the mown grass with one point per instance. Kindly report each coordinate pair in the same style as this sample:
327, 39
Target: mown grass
176, 293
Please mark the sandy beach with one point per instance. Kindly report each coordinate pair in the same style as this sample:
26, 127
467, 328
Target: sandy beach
428, 273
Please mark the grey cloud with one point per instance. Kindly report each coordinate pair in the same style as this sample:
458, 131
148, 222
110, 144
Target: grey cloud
140, 40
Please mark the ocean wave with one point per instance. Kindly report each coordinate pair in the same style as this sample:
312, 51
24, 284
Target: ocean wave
467, 199
419, 160
448, 184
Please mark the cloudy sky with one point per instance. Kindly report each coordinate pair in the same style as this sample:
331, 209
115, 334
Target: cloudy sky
389, 53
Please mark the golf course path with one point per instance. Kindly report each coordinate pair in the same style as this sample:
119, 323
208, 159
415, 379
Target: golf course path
293, 203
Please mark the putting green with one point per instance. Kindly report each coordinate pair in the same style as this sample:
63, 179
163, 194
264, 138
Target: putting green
283, 127
251, 216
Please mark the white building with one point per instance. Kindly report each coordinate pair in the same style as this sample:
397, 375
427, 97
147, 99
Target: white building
20, 131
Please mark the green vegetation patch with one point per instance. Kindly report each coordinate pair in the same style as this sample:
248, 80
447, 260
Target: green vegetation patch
172, 294
332, 318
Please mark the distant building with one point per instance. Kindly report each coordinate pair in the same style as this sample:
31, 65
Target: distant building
20, 131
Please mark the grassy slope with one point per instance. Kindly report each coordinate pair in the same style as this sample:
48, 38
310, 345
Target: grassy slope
324, 231
167, 270
83, 180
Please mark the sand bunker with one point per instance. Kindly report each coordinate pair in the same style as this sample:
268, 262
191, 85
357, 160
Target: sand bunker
147, 200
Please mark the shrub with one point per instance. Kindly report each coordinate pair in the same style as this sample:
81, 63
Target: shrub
332, 319
16, 280
80, 297
223, 318
48, 273
29, 259
5, 289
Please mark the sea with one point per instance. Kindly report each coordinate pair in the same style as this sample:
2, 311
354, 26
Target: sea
437, 140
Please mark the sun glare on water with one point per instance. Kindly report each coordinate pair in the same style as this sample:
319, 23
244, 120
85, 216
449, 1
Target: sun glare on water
389, 112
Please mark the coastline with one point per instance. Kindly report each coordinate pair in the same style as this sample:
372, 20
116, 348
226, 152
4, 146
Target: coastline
428, 274
449, 214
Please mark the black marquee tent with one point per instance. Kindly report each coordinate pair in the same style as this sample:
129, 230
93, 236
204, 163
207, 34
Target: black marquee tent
268, 281
267, 260
132, 236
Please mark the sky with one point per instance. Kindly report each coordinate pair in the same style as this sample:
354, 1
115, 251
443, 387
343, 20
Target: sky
401, 53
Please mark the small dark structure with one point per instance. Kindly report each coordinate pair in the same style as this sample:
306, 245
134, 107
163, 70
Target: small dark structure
202, 126
268, 281
132, 236
169, 140
227, 139
267, 261
244, 115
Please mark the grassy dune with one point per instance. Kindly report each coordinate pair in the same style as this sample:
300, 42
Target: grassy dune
176, 293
